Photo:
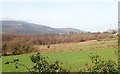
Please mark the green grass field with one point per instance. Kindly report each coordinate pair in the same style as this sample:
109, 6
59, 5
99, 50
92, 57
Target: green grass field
0, 65
71, 59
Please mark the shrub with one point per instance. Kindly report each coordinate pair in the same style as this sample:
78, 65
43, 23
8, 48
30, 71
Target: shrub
41, 65
13, 41
100, 66
82, 40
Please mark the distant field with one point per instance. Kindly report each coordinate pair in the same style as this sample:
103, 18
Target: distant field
87, 45
59, 43
73, 55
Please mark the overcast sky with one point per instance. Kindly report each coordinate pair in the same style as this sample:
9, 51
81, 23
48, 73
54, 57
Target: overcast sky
87, 15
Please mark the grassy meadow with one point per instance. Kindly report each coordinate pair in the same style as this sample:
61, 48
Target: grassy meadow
72, 55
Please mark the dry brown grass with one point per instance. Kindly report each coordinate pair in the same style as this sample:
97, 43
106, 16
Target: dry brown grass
71, 42
88, 45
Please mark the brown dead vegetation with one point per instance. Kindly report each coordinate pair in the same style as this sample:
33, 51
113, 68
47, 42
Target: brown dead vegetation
26, 43
88, 45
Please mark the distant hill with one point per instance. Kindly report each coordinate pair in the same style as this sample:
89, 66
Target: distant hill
71, 30
20, 27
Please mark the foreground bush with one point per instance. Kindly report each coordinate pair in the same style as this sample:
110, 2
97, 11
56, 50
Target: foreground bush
97, 66
101, 66
41, 65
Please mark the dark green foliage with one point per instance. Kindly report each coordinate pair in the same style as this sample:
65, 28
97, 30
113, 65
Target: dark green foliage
7, 63
41, 65
97, 66
16, 61
35, 58
82, 40
100, 65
